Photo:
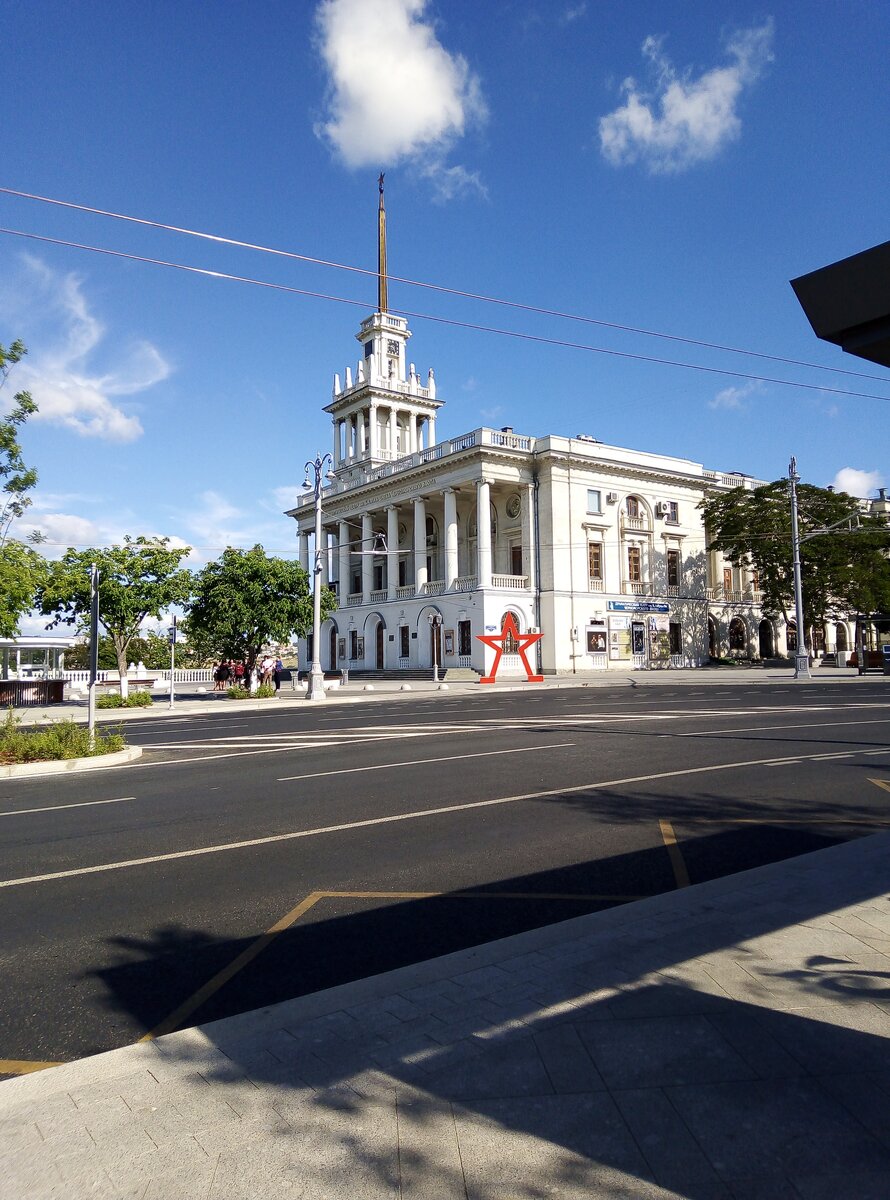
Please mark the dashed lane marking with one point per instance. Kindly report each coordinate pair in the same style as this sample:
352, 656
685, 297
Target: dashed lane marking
419, 814
421, 762
20, 812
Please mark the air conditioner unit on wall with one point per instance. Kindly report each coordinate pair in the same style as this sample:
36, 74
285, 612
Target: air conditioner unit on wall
660, 509
611, 497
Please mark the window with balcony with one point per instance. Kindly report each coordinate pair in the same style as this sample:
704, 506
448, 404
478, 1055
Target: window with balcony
634, 564
595, 560
633, 507
464, 637
727, 579
404, 641
673, 568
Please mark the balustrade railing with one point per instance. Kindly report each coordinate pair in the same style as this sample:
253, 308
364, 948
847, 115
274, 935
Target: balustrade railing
434, 587
514, 583
636, 588
378, 596
404, 593
353, 599
465, 583
596, 585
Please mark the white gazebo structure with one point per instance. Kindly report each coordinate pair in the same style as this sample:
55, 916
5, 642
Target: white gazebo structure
45, 655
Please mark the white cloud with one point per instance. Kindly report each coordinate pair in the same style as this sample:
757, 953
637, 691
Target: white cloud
395, 92
68, 391
735, 397
684, 119
573, 13
858, 483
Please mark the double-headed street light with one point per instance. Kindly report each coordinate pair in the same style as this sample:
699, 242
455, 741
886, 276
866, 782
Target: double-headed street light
315, 475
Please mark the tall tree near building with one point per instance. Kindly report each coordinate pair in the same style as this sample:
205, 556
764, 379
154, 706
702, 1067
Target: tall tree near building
245, 600
140, 579
20, 566
844, 570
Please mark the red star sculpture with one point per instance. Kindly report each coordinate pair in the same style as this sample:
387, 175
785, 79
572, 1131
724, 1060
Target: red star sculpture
498, 641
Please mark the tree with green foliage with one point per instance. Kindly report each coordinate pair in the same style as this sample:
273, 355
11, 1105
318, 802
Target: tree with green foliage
845, 569
140, 579
18, 479
21, 568
246, 599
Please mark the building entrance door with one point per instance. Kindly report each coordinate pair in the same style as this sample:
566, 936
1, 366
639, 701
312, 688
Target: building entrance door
379, 645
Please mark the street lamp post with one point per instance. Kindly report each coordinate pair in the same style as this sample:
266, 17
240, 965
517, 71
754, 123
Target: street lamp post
435, 620
315, 474
801, 656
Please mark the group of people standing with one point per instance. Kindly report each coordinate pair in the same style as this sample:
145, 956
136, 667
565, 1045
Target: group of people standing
233, 674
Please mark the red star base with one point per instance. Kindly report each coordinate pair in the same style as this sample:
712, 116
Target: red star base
497, 641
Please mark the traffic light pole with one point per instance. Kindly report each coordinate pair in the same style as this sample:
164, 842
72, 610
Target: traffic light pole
172, 636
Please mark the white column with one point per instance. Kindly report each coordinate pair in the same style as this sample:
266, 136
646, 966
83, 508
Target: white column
373, 436
393, 432
392, 555
367, 560
419, 545
335, 425
304, 549
412, 433
362, 433
451, 571
431, 424
483, 534
344, 572
528, 535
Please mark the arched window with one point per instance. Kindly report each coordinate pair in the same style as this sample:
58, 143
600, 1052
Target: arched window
737, 635
633, 507
791, 636
841, 637
511, 645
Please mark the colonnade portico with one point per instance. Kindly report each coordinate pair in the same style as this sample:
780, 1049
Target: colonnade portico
381, 432
416, 562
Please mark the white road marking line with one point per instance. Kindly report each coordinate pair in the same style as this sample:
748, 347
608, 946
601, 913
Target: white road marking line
19, 812
395, 817
782, 728
420, 762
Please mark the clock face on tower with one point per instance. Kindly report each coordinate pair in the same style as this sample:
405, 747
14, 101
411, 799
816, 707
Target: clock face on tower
392, 348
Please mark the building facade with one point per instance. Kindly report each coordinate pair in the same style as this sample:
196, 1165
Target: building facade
431, 542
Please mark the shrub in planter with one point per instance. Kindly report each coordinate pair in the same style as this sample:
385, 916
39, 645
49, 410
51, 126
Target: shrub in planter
58, 740
134, 700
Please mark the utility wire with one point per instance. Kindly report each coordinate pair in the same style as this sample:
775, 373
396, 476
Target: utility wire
435, 287
511, 333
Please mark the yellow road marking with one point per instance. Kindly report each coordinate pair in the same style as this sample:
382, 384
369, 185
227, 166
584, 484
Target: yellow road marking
17, 1066
212, 986
681, 875
882, 783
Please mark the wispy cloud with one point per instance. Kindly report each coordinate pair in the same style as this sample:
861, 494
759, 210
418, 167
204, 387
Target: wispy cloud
735, 397
68, 388
395, 93
858, 483
684, 119
572, 13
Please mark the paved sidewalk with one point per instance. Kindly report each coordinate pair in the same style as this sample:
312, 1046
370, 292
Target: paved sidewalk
726, 1040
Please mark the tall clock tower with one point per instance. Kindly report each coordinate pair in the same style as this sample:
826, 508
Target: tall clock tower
383, 413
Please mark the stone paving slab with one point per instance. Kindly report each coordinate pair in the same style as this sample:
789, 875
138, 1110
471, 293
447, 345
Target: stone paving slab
725, 1042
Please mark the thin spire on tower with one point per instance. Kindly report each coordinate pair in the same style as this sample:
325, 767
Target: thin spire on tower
381, 250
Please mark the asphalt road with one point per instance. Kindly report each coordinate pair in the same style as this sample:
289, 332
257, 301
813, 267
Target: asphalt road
253, 856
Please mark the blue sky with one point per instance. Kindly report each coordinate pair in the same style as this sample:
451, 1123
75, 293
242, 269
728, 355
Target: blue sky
666, 165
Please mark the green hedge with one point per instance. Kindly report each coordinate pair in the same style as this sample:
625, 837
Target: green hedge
138, 699
59, 739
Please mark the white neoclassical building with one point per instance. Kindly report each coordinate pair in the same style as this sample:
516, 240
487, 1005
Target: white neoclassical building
600, 548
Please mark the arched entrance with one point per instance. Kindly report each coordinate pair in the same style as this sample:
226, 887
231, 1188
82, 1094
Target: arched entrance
765, 639
841, 640
738, 637
332, 648
791, 637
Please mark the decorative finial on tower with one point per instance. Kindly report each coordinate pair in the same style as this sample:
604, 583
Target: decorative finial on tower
381, 250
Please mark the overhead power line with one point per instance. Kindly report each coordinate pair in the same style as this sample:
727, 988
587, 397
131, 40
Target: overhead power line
435, 287
406, 312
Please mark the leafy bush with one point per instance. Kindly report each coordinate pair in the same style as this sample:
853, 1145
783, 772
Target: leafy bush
263, 692
138, 699
59, 739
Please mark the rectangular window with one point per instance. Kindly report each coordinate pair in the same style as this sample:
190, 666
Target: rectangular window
673, 568
403, 641
353, 644
403, 572
675, 633
595, 560
594, 500
464, 638
378, 577
633, 507
356, 581
755, 581
672, 516
727, 579
634, 564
